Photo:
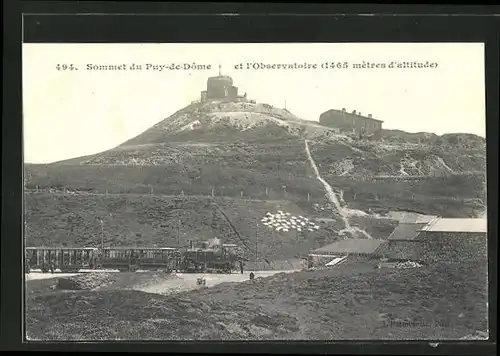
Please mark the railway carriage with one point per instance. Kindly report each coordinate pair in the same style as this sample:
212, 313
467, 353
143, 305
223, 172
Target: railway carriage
127, 259
203, 259
66, 259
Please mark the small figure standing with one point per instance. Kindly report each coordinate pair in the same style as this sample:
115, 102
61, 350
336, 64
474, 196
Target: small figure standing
241, 266
201, 281
252, 276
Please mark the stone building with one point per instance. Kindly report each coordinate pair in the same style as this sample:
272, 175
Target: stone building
440, 240
220, 87
455, 240
350, 122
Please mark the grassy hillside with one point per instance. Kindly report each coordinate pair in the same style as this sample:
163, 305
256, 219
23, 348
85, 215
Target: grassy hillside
452, 196
353, 301
366, 158
435, 179
74, 220
172, 180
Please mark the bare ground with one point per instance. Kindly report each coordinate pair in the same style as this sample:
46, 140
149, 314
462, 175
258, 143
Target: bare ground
352, 301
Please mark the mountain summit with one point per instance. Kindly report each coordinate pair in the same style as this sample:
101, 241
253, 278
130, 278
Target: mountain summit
228, 120
222, 114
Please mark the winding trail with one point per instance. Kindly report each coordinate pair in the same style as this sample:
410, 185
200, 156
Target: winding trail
333, 198
443, 163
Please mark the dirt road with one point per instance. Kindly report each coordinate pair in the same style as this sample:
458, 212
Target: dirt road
187, 281
34, 275
150, 282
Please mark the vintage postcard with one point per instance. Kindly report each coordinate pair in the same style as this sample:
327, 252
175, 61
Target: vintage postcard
255, 191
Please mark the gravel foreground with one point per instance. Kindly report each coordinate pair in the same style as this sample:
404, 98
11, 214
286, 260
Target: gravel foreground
353, 301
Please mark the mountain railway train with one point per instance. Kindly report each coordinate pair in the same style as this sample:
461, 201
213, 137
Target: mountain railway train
198, 257
211, 256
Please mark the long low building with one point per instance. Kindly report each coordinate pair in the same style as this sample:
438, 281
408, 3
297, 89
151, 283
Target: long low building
358, 247
467, 226
441, 240
349, 246
350, 122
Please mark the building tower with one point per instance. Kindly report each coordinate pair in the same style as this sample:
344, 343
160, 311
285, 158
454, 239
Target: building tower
220, 87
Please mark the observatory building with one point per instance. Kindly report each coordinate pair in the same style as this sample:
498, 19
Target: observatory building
350, 122
220, 87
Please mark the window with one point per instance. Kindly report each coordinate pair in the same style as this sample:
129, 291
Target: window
79, 257
65, 257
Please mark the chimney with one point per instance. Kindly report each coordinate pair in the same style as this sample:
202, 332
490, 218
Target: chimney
360, 114
343, 109
370, 115
354, 112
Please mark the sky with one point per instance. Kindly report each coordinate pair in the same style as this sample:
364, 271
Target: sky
72, 113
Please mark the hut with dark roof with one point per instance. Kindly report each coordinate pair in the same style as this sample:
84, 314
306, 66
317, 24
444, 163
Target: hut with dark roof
362, 248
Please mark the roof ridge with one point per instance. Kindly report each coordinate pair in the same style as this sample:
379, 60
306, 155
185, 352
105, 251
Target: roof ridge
431, 224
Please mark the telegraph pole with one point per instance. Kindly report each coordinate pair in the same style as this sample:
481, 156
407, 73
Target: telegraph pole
178, 232
102, 235
256, 243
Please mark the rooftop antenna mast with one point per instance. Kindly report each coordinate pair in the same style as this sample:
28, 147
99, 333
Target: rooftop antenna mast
220, 70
